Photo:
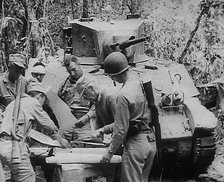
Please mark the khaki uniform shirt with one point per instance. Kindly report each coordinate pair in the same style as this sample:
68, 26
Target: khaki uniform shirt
105, 110
8, 90
68, 93
131, 105
30, 111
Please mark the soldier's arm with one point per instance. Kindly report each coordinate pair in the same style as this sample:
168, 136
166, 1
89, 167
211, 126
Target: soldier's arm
61, 89
111, 104
91, 113
121, 123
44, 120
107, 129
86, 118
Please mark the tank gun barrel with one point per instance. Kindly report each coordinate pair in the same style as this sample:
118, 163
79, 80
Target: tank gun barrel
129, 43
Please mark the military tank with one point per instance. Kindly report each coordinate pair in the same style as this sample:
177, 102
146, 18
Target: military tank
187, 127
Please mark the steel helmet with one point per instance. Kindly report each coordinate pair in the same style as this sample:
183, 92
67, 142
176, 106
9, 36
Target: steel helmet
115, 63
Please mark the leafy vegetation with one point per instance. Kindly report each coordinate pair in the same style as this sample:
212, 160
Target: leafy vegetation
189, 32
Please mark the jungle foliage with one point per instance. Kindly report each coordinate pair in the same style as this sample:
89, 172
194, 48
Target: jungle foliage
189, 32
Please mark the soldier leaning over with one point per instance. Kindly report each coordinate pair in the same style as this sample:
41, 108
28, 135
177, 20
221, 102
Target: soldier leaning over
104, 101
29, 112
130, 122
10, 79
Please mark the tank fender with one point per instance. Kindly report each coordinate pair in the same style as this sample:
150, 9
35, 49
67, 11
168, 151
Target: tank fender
200, 115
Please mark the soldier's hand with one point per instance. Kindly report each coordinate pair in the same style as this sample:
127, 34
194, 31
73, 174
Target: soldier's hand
82, 121
64, 143
97, 133
107, 157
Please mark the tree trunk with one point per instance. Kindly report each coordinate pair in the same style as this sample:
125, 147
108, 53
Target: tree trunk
25, 19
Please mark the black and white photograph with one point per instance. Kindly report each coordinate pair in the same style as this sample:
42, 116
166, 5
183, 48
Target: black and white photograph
111, 90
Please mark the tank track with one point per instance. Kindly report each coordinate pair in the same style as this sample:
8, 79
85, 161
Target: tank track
203, 153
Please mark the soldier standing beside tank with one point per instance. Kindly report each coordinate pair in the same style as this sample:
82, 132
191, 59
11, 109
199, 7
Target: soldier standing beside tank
82, 109
8, 84
130, 120
30, 111
10, 79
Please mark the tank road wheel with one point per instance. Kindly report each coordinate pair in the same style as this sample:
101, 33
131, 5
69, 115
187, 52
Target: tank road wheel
203, 153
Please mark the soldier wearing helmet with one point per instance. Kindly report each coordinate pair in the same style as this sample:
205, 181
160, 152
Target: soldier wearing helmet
131, 118
30, 111
10, 79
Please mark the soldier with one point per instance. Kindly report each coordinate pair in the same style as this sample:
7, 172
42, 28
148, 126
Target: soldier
8, 85
82, 109
67, 91
10, 79
104, 101
131, 121
38, 72
45, 57
59, 53
30, 111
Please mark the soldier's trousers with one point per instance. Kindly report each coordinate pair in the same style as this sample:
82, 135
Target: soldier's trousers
2, 176
22, 172
137, 159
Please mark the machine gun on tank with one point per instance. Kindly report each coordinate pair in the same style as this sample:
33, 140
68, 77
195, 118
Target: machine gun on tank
121, 46
131, 41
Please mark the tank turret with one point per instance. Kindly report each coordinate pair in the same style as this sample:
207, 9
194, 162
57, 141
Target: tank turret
92, 41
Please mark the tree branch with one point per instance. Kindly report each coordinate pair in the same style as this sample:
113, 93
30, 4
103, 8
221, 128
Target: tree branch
204, 11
